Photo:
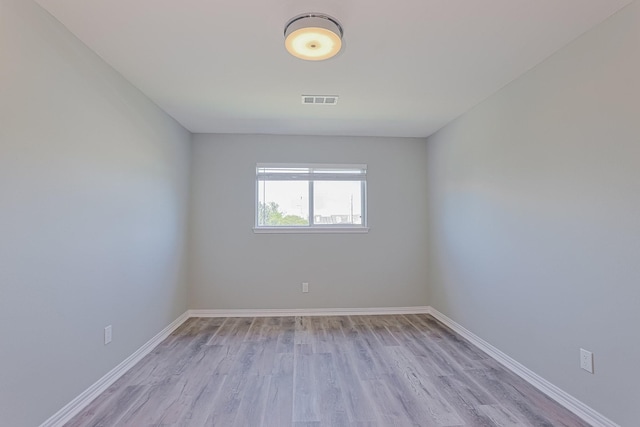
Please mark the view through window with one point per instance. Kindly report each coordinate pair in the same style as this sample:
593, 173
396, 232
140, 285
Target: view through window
311, 196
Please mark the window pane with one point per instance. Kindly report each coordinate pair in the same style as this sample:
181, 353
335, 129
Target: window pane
337, 202
283, 203
293, 173
269, 171
340, 171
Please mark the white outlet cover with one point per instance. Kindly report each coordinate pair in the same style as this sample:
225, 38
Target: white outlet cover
107, 334
305, 287
586, 360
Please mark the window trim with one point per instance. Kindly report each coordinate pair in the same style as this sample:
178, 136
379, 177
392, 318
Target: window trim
312, 177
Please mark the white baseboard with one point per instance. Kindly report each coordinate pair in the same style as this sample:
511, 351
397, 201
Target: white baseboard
79, 403
563, 398
86, 397
309, 312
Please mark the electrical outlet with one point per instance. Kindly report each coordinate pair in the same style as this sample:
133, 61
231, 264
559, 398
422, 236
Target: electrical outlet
107, 334
586, 360
305, 287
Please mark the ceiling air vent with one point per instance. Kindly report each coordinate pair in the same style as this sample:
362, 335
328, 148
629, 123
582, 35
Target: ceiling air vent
320, 99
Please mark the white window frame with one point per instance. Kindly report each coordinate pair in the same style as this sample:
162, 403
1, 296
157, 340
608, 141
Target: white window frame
312, 177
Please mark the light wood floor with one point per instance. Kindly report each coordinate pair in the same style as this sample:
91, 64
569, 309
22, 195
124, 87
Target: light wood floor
320, 371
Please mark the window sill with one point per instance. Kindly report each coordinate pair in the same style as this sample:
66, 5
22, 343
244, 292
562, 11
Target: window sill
310, 230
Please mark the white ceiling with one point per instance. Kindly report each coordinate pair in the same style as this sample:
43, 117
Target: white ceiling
407, 67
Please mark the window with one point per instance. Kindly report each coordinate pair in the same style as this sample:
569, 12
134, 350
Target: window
311, 198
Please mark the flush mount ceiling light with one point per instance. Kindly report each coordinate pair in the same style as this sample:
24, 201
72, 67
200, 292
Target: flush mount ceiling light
313, 36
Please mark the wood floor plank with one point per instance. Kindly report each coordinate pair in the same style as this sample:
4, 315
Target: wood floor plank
286, 335
522, 398
177, 352
378, 327
422, 386
421, 343
466, 399
246, 360
538, 399
229, 357
331, 402
357, 401
200, 399
500, 415
279, 407
303, 331
471, 351
363, 360
459, 349
252, 405
111, 412
367, 343
141, 413
365, 371
319, 334
305, 392
389, 408
511, 398
233, 329
224, 408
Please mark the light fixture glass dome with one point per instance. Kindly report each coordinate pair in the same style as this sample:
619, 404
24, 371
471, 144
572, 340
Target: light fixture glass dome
313, 36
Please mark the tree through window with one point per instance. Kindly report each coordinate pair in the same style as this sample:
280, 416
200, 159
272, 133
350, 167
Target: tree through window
311, 196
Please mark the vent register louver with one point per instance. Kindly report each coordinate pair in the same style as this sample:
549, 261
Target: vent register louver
320, 99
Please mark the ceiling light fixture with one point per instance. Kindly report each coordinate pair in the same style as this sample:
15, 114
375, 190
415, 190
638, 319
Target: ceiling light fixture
313, 36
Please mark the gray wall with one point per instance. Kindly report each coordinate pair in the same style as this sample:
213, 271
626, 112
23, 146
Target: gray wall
93, 194
231, 267
535, 217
